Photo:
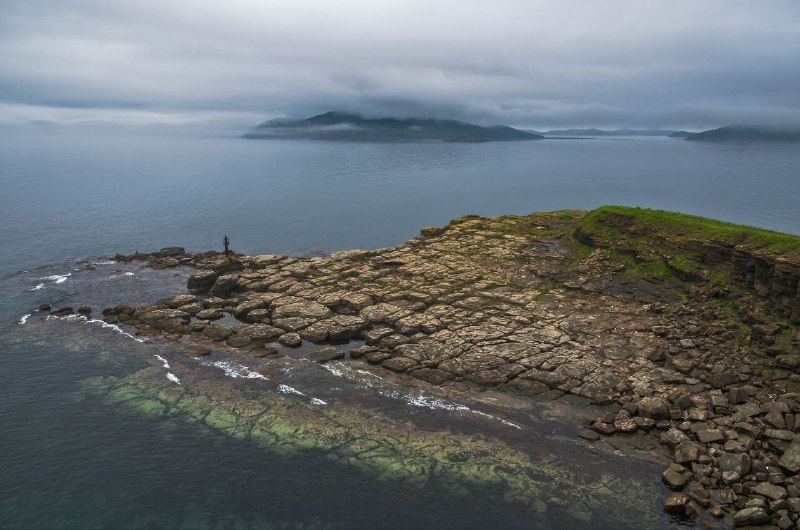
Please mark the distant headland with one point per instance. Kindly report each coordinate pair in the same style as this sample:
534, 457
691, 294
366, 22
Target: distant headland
749, 133
348, 127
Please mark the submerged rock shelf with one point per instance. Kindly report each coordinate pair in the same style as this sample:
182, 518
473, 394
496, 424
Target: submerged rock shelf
671, 323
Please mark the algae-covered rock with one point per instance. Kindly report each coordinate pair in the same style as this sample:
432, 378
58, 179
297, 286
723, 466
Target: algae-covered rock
376, 444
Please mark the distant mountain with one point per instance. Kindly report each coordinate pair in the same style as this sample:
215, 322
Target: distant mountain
603, 132
681, 134
347, 127
749, 133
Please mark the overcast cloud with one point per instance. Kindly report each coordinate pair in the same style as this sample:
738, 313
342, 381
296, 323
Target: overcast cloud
676, 64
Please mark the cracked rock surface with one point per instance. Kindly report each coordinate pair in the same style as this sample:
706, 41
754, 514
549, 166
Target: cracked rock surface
519, 303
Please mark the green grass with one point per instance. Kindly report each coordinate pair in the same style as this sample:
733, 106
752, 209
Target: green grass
607, 221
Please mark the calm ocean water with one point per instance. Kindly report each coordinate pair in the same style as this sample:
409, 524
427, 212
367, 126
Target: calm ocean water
70, 461
66, 196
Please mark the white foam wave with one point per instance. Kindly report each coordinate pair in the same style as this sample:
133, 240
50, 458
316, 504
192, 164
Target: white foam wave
56, 278
317, 401
23, 319
37, 287
104, 262
163, 360
172, 377
104, 324
417, 399
286, 389
233, 369
127, 273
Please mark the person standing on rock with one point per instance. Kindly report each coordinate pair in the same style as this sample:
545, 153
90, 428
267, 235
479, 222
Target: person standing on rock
226, 242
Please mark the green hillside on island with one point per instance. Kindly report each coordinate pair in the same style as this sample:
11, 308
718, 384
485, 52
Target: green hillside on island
348, 127
749, 133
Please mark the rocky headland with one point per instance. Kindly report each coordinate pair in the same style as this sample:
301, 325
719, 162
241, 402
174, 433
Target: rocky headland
673, 324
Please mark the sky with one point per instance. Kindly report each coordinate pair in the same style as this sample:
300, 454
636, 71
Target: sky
682, 64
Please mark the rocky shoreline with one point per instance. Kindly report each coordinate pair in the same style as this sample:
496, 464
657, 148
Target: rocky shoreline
695, 339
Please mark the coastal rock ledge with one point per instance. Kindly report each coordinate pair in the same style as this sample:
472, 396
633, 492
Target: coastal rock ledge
671, 323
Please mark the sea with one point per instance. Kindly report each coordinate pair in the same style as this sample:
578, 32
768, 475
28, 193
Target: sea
90, 437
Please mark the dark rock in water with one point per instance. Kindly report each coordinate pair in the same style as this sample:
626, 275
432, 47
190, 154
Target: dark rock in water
196, 351
326, 354
62, 312
676, 503
589, 435
201, 281
45, 307
84, 310
264, 352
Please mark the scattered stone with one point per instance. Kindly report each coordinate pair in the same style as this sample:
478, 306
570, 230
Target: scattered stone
770, 491
291, 340
790, 461
676, 476
654, 407
675, 503
710, 436
589, 435
751, 517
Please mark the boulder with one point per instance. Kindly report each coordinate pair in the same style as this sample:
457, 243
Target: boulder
654, 407
291, 340
675, 503
790, 461
734, 463
751, 517
673, 437
224, 284
676, 476
710, 436
201, 281
771, 491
